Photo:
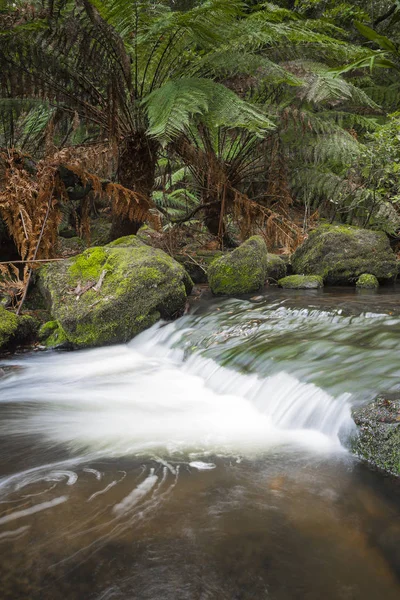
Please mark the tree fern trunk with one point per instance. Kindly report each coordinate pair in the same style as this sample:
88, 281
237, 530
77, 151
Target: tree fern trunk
136, 171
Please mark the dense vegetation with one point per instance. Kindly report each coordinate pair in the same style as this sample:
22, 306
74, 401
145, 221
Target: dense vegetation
217, 115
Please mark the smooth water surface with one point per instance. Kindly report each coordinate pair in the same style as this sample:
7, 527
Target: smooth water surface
206, 459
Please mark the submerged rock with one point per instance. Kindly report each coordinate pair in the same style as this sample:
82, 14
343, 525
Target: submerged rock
378, 439
340, 254
301, 282
367, 282
242, 271
111, 293
15, 330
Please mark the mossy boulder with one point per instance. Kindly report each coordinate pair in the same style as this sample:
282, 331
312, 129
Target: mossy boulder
241, 271
15, 330
340, 254
111, 293
301, 282
367, 282
276, 268
378, 439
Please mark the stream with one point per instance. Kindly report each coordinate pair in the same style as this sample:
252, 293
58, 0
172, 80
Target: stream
205, 460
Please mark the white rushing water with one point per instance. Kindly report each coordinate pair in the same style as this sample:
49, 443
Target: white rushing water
145, 397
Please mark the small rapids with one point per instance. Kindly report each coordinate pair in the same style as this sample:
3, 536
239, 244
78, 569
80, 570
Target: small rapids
206, 459
124, 399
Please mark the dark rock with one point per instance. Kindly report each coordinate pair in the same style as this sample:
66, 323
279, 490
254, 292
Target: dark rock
378, 439
275, 269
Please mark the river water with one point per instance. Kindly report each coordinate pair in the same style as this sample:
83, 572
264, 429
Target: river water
205, 460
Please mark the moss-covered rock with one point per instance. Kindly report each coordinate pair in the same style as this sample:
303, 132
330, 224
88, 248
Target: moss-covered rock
52, 335
241, 271
378, 439
276, 268
109, 294
367, 282
340, 254
15, 330
301, 282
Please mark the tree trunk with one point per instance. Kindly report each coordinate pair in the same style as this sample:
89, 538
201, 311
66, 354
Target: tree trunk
136, 171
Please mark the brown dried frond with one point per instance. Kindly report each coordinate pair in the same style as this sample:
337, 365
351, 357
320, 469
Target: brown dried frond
277, 229
99, 158
11, 284
30, 205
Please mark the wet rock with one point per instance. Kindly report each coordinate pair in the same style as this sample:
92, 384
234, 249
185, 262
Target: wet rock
110, 293
276, 268
15, 330
301, 282
367, 282
378, 439
340, 254
241, 271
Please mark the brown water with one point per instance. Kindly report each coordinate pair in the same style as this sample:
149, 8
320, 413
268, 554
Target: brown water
205, 460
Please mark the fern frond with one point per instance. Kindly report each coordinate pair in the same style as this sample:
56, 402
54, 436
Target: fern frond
171, 108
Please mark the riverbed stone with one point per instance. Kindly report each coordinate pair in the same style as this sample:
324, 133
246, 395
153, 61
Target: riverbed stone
378, 439
341, 253
301, 282
15, 330
242, 271
367, 282
108, 294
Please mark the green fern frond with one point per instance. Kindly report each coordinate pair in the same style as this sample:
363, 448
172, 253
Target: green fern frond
171, 108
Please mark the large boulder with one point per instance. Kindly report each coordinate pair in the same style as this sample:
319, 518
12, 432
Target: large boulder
340, 254
111, 293
378, 439
241, 271
15, 330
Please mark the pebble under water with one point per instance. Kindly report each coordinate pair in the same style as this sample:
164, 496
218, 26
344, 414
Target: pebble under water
206, 460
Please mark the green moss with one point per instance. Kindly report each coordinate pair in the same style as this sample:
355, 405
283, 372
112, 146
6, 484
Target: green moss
8, 326
241, 271
16, 330
47, 329
128, 241
57, 337
90, 264
367, 281
301, 282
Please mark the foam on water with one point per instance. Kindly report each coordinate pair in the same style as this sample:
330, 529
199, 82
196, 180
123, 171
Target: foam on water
145, 397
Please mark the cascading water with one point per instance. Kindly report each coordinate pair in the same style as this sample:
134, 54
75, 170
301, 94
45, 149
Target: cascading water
195, 461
